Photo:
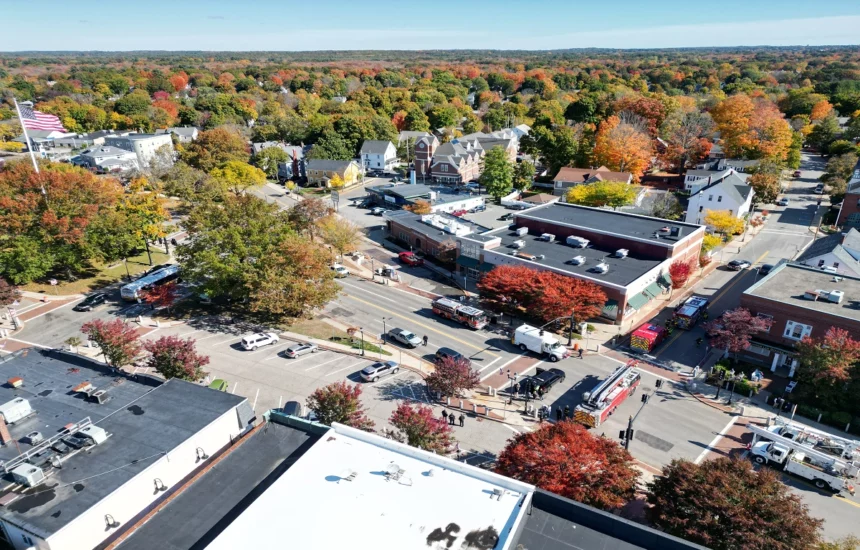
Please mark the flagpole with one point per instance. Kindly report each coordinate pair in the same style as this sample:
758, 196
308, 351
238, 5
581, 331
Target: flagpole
29, 145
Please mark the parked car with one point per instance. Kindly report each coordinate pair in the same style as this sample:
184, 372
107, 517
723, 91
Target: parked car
797, 173
506, 217
444, 352
409, 258
479, 208
254, 341
294, 408
339, 271
765, 269
378, 210
459, 213
545, 379
782, 202
91, 301
738, 265
219, 385
300, 349
373, 372
405, 337
819, 189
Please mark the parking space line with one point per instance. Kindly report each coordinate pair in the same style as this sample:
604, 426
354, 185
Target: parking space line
294, 361
490, 365
347, 368
516, 431
210, 336
325, 363
229, 339
715, 441
268, 348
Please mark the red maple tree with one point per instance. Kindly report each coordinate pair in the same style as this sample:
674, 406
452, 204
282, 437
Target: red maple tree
725, 504
506, 288
679, 272
734, 329
564, 458
161, 296
174, 357
452, 376
340, 402
118, 340
829, 358
417, 426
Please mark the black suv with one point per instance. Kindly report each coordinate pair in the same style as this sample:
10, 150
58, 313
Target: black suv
544, 379
442, 353
91, 301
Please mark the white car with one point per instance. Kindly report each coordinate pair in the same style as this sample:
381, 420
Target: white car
782, 202
254, 341
339, 271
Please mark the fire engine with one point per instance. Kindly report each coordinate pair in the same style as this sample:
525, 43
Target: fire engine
602, 401
456, 311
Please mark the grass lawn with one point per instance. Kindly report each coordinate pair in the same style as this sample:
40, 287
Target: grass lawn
317, 328
100, 276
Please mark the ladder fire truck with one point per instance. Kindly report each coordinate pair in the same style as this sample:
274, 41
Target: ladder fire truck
469, 316
602, 401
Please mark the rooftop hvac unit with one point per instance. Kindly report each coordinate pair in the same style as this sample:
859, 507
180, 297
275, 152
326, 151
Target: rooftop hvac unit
28, 475
675, 231
577, 242
810, 295
836, 296
100, 396
93, 432
521, 231
34, 438
578, 260
621, 253
601, 268
548, 237
15, 410
519, 244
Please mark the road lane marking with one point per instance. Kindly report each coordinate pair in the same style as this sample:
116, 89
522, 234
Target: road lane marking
267, 348
619, 361
29, 343
369, 292
324, 363
520, 375
490, 365
437, 331
500, 368
851, 502
217, 334
712, 445
516, 431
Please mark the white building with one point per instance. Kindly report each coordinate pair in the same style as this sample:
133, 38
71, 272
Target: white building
731, 193
95, 449
144, 146
107, 159
378, 155
184, 134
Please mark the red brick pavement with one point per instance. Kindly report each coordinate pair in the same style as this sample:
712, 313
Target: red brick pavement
11, 345
734, 442
521, 365
44, 308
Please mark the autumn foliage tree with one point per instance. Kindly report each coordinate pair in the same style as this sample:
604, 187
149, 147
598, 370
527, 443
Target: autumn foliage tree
340, 402
766, 186
734, 329
305, 215
679, 273
603, 193
452, 376
725, 504
8, 293
416, 425
419, 207
118, 340
752, 128
160, 296
339, 233
213, 148
623, 146
174, 357
564, 458
724, 222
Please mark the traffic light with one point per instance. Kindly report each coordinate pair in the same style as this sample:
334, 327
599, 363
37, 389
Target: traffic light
722, 375
658, 384
621, 434
645, 397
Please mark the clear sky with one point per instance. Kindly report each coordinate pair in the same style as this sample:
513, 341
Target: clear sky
289, 25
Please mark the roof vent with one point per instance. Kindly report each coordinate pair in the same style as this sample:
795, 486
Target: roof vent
665, 229
521, 231
578, 260
15, 382
836, 296
100, 396
675, 231
577, 242
621, 253
34, 438
15, 410
601, 267
810, 295
519, 244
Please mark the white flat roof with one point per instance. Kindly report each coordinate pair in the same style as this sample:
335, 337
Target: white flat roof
315, 505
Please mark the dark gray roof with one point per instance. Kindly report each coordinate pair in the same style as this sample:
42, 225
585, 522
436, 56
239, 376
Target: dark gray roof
413, 221
557, 523
374, 147
608, 221
329, 165
406, 191
200, 512
145, 422
825, 245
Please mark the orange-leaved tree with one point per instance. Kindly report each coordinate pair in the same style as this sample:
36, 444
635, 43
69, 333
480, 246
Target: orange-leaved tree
623, 146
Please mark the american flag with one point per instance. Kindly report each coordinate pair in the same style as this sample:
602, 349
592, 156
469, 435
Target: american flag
35, 120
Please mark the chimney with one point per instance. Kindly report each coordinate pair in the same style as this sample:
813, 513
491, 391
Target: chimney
5, 436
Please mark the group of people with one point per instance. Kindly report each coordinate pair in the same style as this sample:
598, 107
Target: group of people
534, 392
450, 419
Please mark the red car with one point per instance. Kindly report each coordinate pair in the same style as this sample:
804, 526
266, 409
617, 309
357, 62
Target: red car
459, 213
409, 258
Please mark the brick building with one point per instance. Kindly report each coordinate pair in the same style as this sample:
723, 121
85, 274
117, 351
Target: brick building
849, 212
800, 301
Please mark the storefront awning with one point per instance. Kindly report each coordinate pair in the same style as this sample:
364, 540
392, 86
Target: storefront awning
638, 300
610, 309
665, 281
653, 290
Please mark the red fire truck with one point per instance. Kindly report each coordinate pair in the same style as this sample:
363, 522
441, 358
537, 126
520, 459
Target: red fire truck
456, 311
647, 337
602, 401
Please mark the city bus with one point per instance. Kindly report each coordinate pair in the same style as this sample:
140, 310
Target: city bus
131, 292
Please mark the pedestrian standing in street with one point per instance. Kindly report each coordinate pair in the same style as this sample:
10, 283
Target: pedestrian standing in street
581, 350
517, 389
452, 419
425, 339
462, 420
558, 414
699, 341
540, 394
445, 415
567, 412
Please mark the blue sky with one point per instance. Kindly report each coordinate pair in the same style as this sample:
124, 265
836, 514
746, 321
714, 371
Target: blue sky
284, 25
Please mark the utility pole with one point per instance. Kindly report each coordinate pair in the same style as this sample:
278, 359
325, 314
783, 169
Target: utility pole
570, 331
627, 435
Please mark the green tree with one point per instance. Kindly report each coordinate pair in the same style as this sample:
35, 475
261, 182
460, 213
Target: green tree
332, 146
267, 160
134, 103
339, 233
213, 148
497, 173
824, 133
472, 123
444, 116
603, 193
837, 174
237, 176
524, 175
416, 120
190, 184
841, 147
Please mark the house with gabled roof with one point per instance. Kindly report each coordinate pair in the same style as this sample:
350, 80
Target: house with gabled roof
836, 253
731, 193
378, 155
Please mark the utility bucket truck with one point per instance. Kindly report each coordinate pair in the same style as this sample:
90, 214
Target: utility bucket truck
534, 339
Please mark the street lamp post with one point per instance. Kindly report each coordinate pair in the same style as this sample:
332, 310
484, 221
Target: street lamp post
384, 331
361, 330
513, 379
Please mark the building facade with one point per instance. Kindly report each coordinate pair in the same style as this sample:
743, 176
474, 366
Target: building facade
320, 172
730, 194
378, 155
145, 146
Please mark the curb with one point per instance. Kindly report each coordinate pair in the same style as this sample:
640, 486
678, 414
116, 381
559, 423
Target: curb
44, 297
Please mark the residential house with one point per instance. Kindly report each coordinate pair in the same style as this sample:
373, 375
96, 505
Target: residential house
321, 171
145, 146
568, 177
836, 253
731, 193
293, 169
41, 139
849, 212
259, 146
378, 155
77, 141
521, 130
705, 174
184, 134
339, 99
507, 139
799, 301
107, 159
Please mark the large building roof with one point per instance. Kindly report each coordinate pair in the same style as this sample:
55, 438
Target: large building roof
845, 246
610, 222
145, 421
582, 175
374, 147
789, 282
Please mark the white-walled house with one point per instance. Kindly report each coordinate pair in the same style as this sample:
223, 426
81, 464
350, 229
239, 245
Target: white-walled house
378, 155
730, 193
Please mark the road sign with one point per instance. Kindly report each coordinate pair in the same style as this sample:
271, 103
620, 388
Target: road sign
53, 282
335, 198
